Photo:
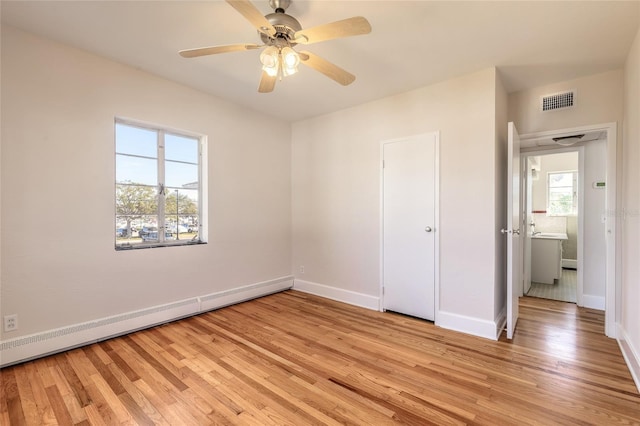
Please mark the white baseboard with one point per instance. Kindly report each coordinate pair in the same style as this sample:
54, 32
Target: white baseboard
482, 328
230, 297
339, 294
470, 325
631, 355
593, 302
40, 344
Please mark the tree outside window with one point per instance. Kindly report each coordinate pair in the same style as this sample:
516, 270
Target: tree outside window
134, 202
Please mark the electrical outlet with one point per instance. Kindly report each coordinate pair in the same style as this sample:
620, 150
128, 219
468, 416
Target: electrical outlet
10, 322
302, 269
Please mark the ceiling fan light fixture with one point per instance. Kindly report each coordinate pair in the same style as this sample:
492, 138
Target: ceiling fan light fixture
270, 61
271, 71
279, 62
290, 61
269, 57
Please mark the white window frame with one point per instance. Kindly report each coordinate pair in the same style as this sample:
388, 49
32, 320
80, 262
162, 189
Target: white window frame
574, 193
161, 131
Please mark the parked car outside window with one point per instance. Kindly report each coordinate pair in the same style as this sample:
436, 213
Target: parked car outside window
147, 230
153, 236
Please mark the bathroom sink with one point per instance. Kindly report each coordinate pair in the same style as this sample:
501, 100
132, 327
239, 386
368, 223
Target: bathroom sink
546, 257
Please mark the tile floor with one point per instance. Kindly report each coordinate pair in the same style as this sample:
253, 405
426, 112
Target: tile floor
564, 290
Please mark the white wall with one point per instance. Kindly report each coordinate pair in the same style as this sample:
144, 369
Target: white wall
630, 285
594, 241
59, 266
500, 182
336, 193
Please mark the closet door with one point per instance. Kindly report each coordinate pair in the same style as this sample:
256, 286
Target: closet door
409, 231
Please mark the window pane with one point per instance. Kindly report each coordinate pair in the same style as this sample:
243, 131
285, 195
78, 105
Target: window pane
136, 210
561, 201
136, 170
181, 202
136, 141
181, 148
561, 198
556, 193
561, 207
180, 175
561, 179
181, 210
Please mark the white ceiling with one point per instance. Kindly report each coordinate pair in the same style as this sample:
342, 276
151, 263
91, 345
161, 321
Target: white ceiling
412, 44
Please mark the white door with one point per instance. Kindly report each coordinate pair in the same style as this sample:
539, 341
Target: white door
409, 207
514, 271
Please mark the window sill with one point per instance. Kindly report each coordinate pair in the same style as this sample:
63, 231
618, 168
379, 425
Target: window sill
139, 246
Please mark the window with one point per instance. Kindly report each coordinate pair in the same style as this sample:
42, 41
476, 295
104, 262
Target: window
158, 194
562, 194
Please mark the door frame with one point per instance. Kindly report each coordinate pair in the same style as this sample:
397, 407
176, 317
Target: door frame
612, 292
436, 225
526, 153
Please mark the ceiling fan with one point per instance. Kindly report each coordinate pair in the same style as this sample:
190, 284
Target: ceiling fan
279, 33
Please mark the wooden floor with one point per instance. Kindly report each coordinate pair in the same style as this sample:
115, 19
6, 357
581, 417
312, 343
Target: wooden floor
297, 359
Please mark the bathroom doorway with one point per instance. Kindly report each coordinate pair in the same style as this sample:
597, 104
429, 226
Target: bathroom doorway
597, 220
552, 211
564, 206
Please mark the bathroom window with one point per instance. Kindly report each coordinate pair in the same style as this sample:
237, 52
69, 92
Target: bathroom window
562, 193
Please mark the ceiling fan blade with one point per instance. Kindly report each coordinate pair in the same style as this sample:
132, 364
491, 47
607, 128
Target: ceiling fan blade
345, 28
267, 83
332, 71
213, 50
253, 15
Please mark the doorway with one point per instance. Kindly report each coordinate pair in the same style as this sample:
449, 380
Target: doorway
553, 195
410, 225
596, 263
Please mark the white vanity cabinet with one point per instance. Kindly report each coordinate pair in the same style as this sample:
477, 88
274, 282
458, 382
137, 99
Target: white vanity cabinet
546, 257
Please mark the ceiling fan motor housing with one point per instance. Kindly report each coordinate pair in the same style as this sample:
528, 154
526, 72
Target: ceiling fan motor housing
286, 26
279, 4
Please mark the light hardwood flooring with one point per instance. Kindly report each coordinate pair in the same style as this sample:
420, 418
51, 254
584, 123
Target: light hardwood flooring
296, 359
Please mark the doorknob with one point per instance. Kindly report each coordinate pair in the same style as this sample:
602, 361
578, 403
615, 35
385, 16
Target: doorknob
427, 229
506, 231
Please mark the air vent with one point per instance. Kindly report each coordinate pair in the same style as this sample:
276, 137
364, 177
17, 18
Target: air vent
558, 101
